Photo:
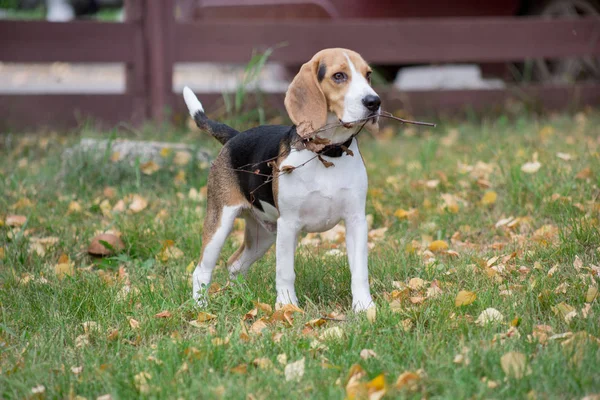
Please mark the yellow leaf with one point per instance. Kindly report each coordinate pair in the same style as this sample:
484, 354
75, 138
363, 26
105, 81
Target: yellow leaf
411, 214
263, 307
464, 298
376, 388
2, 253
116, 156
438, 245
372, 314
65, 269
205, 317
313, 323
263, 363
514, 364
165, 152
590, 296
190, 267
240, 369
179, 178
489, 198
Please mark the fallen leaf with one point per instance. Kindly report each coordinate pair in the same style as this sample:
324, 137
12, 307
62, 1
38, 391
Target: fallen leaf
74, 207
76, 370
372, 314
264, 307
407, 380
565, 156
263, 363
438, 246
282, 359
150, 167
105, 244
314, 323
531, 167
464, 298
489, 198
220, 341
376, 387
332, 333
15, 220
62, 270
489, 315
585, 173
591, 294
416, 283
39, 389
205, 317
163, 314
138, 203
367, 353
294, 371
565, 311
258, 326
514, 364
134, 323
240, 369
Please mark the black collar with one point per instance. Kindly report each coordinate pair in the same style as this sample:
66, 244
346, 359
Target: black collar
336, 150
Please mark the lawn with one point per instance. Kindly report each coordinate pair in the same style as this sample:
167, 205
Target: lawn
484, 264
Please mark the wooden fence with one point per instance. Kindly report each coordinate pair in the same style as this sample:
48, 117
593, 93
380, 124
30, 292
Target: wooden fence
150, 41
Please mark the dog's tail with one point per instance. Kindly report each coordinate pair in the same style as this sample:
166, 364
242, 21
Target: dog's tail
223, 133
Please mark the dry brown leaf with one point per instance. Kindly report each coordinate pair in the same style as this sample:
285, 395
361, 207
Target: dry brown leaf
407, 380
258, 326
264, 307
372, 314
250, 314
134, 323
138, 203
113, 335
263, 363
74, 207
240, 369
182, 158
585, 173
314, 323
464, 298
150, 167
416, 283
205, 317
15, 220
163, 314
367, 353
105, 244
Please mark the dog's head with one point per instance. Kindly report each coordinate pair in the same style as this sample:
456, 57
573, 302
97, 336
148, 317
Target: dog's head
336, 81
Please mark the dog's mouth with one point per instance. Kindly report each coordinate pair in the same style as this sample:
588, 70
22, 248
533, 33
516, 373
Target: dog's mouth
370, 119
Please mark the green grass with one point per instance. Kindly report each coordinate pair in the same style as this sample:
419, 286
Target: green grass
41, 326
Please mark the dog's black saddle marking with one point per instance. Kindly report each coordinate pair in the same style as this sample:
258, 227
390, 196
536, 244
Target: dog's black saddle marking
252, 151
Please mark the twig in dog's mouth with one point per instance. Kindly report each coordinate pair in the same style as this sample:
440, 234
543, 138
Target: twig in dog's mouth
386, 114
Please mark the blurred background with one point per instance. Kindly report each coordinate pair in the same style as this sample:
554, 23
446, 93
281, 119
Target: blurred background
111, 60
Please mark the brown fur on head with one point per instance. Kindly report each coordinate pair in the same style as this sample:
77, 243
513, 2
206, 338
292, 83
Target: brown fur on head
314, 91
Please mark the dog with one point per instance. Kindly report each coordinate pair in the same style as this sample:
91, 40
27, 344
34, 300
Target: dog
284, 180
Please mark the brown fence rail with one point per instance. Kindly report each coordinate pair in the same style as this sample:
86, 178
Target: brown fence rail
151, 41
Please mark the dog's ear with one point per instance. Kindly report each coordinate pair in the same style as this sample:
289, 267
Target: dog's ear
305, 101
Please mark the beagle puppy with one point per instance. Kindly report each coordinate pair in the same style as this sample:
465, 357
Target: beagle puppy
284, 180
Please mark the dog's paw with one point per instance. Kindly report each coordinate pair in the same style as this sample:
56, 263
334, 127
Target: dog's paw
284, 298
362, 304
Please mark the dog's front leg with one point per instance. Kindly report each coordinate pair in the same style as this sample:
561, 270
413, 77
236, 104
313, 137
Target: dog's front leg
287, 235
356, 244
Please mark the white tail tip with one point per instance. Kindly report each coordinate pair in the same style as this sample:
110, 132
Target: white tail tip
192, 101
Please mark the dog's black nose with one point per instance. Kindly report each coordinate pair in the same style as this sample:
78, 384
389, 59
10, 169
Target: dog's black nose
371, 102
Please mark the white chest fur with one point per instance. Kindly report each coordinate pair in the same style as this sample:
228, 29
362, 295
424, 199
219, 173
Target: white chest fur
315, 198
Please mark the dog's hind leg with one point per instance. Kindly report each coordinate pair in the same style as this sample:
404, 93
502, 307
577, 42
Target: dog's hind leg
257, 240
217, 226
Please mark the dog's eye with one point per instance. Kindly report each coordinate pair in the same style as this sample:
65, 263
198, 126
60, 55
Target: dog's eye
339, 77
368, 76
